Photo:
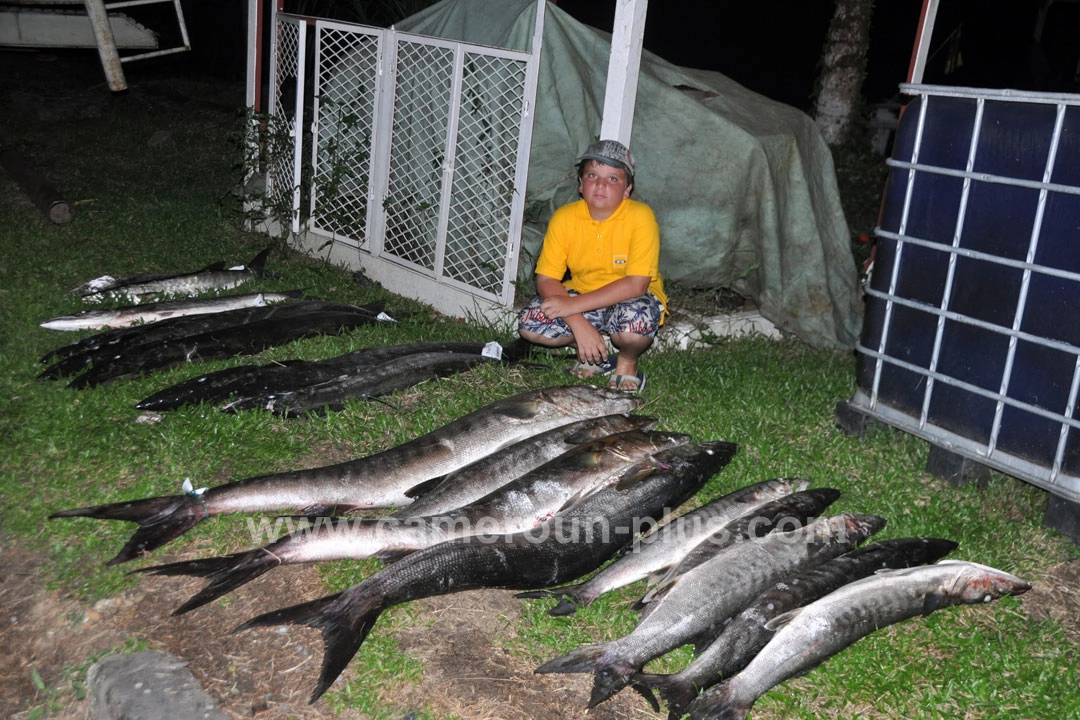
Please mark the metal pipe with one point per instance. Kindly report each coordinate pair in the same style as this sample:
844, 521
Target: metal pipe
36, 187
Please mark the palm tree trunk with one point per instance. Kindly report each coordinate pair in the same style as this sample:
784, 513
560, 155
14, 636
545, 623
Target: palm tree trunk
843, 68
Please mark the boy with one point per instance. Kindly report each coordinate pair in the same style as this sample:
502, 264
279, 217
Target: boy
610, 247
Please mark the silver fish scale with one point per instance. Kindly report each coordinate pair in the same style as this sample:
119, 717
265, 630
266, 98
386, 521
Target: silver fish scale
672, 541
127, 316
722, 586
492, 471
746, 634
382, 479
826, 626
519, 506
464, 564
184, 285
568, 478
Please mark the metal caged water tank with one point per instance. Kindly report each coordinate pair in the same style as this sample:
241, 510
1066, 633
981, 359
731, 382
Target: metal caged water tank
971, 338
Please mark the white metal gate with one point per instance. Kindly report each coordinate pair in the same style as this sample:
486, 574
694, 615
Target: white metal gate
419, 153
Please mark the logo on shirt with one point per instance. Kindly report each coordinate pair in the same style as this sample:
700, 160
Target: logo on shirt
619, 260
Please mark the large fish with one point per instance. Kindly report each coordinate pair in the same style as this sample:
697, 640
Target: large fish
700, 600
262, 381
142, 288
654, 554
520, 505
383, 479
103, 346
808, 636
128, 315
495, 470
784, 513
748, 632
375, 382
247, 339
566, 547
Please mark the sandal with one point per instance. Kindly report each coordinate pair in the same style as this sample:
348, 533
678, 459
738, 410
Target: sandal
637, 381
586, 371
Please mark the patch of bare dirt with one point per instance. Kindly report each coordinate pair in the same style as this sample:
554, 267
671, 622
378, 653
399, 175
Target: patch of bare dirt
1057, 596
269, 674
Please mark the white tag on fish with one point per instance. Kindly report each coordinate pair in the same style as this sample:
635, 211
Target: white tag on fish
189, 489
492, 350
383, 317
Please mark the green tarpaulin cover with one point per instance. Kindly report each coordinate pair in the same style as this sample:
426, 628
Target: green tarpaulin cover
743, 187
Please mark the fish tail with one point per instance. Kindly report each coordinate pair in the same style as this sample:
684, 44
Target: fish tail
160, 519
344, 619
674, 691
536, 594
567, 599
609, 674
225, 574
580, 660
720, 703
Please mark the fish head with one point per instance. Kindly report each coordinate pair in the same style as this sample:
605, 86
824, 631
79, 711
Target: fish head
580, 399
845, 528
865, 525
974, 583
922, 550
633, 442
788, 484
707, 456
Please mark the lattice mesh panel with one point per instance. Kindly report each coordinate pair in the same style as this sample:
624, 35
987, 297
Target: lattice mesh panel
281, 179
421, 112
484, 166
348, 63
416, 153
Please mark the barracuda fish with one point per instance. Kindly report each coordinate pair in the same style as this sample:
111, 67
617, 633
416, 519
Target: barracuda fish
520, 505
566, 547
251, 381
808, 636
72, 358
703, 598
122, 317
747, 633
654, 554
377, 381
790, 511
249, 338
143, 288
493, 471
383, 479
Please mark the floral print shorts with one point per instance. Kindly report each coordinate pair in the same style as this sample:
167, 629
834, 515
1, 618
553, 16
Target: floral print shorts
640, 316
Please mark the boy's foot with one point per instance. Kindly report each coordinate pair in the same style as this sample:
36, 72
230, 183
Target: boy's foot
587, 371
629, 383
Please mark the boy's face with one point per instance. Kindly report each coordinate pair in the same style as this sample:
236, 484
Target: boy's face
603, 187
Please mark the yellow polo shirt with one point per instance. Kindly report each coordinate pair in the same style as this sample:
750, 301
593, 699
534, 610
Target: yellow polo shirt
598, 252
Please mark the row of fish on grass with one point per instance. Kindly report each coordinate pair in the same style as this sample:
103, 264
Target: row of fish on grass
143, 338
545, 487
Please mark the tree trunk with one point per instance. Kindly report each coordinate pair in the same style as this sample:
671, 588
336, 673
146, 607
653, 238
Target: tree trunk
843, 67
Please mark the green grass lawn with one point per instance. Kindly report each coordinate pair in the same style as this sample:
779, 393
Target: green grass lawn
151, 182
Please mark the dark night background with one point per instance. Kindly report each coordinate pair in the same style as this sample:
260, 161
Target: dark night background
774, 46
770, 46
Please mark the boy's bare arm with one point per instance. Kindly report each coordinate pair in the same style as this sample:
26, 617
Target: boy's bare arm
557, 302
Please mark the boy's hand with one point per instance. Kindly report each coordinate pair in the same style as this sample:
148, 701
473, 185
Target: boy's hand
591, 347
558, 306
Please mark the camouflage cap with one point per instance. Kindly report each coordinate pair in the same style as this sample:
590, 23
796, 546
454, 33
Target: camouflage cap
610, 152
